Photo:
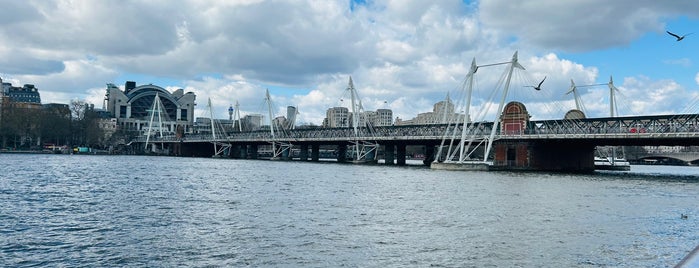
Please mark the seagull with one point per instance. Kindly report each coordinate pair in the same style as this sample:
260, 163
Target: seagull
539, 86
679, 38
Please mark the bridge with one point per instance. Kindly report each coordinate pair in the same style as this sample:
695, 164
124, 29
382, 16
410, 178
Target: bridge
565, 141
511, 141
665, 158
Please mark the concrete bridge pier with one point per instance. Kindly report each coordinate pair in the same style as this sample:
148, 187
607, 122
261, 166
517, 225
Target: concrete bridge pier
176, 149
389, 154
568, 156
429, 155
252, 151
243, 154
235, 151
303, 153
315, 152
341, 153
544, 156
400, 153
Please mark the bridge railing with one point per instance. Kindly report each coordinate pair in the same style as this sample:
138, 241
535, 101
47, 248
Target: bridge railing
650, 125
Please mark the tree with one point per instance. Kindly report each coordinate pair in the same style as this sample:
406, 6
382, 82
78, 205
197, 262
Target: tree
78, 109
9, 126
20, 125
85, 124
55, 125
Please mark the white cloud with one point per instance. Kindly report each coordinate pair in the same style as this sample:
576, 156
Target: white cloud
402, 54
578, 25
658, 97
77, 80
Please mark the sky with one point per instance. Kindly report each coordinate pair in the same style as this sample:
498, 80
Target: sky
404, 55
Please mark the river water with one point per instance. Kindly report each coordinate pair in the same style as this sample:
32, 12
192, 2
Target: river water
139, 211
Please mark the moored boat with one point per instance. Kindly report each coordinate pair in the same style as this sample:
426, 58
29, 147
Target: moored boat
609, 163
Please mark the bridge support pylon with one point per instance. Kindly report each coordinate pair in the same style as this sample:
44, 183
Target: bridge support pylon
315, 152
252, 151
389, 154
429, 155
341, 153
400, 153
303, 153
565, 156
235, 151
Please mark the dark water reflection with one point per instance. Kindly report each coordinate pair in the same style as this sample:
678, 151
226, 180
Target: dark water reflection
101, 211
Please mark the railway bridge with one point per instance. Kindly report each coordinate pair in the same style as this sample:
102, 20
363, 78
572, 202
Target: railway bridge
565, 145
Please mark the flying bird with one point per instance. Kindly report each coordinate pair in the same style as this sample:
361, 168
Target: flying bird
539, 86
679, 38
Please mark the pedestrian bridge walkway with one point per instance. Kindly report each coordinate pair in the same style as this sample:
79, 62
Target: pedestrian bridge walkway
636, 130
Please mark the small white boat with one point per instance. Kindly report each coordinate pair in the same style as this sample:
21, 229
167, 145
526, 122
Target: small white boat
610, 163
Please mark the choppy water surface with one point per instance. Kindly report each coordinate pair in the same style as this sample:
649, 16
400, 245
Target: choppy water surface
99, 211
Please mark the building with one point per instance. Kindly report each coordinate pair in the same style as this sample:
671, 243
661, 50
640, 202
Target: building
202, 126
337, 117
60, 109
26, 96
382, 117
131, 107
441, 112
291, 113
252, 122
342, 117
280, 122
24, 105
108, 127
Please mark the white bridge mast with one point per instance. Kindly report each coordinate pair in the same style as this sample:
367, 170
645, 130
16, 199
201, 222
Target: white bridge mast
219, 147
362, 149
513, 63
157, 107
277, 152
461, 147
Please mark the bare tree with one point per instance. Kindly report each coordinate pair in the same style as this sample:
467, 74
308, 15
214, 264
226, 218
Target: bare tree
78, 109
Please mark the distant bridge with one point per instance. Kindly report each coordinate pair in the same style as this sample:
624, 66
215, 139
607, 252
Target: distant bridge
670, 158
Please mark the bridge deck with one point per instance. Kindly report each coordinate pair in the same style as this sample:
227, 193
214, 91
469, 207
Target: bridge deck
638, 130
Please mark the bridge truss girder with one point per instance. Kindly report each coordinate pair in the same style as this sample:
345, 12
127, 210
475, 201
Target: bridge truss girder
637, 130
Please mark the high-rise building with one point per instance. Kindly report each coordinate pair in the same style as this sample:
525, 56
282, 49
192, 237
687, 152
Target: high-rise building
291, 113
